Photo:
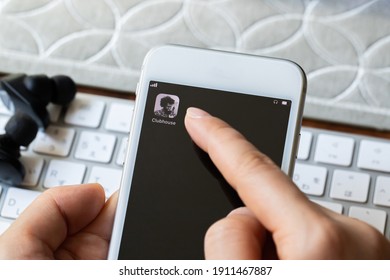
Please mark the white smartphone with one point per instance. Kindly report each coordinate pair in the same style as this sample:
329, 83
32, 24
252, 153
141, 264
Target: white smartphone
170, 191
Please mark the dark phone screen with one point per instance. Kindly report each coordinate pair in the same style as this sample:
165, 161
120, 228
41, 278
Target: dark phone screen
176, 191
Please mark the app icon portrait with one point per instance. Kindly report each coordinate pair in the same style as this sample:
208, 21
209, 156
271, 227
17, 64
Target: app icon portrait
166, 105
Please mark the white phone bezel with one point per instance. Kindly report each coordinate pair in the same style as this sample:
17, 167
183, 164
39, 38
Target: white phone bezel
264, 76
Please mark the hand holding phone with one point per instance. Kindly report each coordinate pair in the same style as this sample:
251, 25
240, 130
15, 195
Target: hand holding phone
171, 192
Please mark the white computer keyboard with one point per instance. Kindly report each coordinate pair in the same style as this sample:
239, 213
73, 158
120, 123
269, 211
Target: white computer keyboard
347, 173
85, 143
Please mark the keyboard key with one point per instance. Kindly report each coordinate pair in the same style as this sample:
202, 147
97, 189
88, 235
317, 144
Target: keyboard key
336, 207
374, 155
16, 200
310, 179
85, 111
350, 186
119, 117
61, 172
109, 178
373, 217
4, 225
55, 141
382, 191
95, 146
120, 160
333, 149
33, 167
304, 145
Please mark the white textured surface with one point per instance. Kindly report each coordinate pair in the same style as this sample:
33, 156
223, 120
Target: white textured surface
344, 46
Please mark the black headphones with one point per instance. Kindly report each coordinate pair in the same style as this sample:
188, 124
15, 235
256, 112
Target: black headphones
27, 97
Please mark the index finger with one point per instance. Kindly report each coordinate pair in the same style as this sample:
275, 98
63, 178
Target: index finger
261, 185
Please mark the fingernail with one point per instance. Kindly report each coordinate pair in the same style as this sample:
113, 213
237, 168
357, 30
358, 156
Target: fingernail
196, 113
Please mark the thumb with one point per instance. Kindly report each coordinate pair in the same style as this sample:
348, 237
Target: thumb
46, 223
238, 236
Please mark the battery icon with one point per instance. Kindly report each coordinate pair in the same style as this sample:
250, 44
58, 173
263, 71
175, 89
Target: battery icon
284, 102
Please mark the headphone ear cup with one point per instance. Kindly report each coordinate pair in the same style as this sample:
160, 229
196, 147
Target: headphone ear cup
21, 128
40, 87
12, 171
65, 90
32, 94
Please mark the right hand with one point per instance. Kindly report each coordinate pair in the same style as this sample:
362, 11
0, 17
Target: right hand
278, 220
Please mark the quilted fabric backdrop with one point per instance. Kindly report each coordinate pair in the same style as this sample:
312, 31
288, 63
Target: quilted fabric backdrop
343, 45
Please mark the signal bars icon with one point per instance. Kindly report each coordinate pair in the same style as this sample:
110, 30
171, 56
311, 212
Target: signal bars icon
154, 85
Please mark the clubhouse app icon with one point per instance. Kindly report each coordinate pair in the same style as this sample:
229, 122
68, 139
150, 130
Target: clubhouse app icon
166, 106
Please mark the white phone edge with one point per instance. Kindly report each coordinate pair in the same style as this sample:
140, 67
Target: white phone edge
283, 78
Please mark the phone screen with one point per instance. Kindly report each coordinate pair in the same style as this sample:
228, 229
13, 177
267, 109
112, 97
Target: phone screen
176, 191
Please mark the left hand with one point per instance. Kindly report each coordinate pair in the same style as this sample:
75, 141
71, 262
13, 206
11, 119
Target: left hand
72, 222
